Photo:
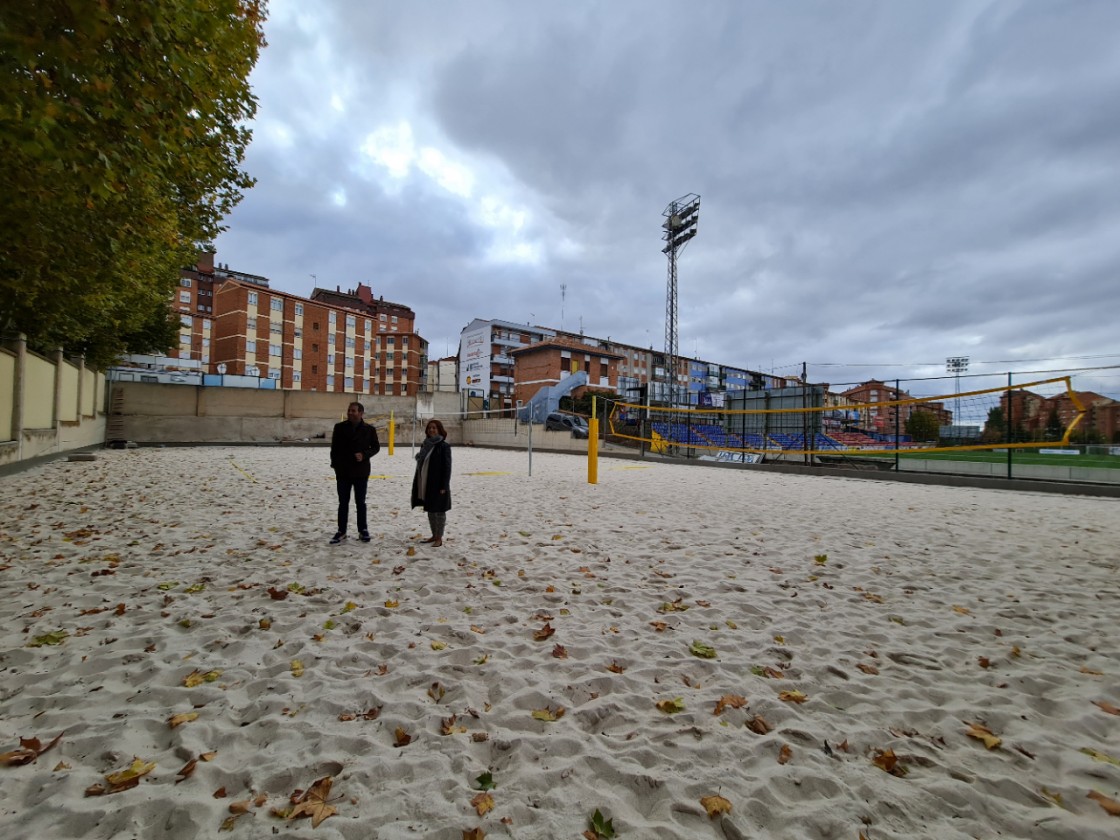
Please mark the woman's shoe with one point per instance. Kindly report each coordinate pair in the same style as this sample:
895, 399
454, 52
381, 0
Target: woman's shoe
437, 542
428, 540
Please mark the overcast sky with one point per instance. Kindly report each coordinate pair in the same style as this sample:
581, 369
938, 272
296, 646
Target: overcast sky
883, 184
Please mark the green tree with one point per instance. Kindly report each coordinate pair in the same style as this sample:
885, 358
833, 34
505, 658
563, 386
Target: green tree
923, 425
1054, 425
995, 427
122, 132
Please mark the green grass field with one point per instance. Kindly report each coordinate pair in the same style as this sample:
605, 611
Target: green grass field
1018, 456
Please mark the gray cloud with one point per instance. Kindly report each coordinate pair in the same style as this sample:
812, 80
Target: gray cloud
881, 182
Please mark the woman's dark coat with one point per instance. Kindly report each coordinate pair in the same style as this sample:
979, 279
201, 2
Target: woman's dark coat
439, 478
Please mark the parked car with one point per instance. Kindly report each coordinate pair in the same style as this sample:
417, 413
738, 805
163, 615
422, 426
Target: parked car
573, 423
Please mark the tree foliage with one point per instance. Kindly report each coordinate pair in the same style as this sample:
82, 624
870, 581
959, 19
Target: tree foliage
995, 427
122, 132
923, 425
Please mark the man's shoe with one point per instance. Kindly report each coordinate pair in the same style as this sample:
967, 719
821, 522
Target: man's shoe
337, 538
363, 536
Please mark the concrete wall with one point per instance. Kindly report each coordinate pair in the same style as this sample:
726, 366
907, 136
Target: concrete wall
510, 434
154, 413
47, 406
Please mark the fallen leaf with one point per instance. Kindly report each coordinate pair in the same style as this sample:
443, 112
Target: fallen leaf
729, 701
793, 696
29, 750
984, 662
448, 727
785, 754
181, 718
1096, 755
411, 551
702, 650
982, 733
314, 803
403, 739
474, 834
715, 805
1111, 806
483, 803
391, 604
297, 668
185, 772
670, 707
758, 725
241, 806
560, 652
659, 626
485, 781
548, 714
887, 761
867, 669
962, 610
439, 645
196, 678
277, 594
56, 637
615, 668
599, 827
1106, 707
220, 793
544, 632
436, 692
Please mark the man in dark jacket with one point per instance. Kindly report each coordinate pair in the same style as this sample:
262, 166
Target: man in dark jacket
353, 443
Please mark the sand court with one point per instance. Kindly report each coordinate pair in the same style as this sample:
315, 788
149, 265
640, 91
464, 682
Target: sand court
831, 657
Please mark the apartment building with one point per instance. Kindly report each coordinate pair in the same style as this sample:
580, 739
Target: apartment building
549, 362
877, 414
489, 369
233, 323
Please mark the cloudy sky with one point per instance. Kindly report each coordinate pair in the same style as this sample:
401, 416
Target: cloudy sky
883, 184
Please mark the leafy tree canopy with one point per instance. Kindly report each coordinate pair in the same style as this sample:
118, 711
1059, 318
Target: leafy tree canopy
122, 132
923, 425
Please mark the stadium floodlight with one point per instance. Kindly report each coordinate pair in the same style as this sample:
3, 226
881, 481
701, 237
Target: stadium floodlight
681, 218
957, 365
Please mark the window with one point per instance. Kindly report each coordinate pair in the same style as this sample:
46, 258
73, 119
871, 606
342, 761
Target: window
351, 321
277, 304
299, 332
368, 345
274, 350
330, 381
349, 361
314, 348
390, 341
184, 297
315, 325
350, 341
381, 317
296, 376
185, 282
404, 341
332, 318
394, 319
348, 383
186, 320
250, 346
299, 308
369, 325
185, 338
388, 356
330, 358
314, 368
277, 327
205, 342
251, 324
297, 354
252, 298
274, 374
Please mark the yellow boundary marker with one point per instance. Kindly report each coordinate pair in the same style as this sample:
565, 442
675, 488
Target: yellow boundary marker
243, 472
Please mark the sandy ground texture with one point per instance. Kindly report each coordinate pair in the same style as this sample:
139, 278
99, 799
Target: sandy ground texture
831, 658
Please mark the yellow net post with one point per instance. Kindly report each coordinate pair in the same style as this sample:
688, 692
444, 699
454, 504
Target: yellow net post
593, 447
392, 433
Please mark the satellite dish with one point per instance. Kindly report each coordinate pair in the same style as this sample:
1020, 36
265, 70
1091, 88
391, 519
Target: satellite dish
221, 367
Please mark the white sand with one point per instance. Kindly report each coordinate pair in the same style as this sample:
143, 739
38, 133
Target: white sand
919, 583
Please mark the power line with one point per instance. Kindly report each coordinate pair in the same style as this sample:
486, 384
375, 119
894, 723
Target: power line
939, 364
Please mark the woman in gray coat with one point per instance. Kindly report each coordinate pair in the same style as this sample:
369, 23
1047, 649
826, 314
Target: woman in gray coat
431, 486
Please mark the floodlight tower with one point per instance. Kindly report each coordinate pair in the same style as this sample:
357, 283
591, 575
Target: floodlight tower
957, 365
681, 217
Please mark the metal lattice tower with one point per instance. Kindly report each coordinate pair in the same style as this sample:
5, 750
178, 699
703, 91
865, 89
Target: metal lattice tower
681, 217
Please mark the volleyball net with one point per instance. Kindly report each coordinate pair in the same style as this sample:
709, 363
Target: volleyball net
875, 417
